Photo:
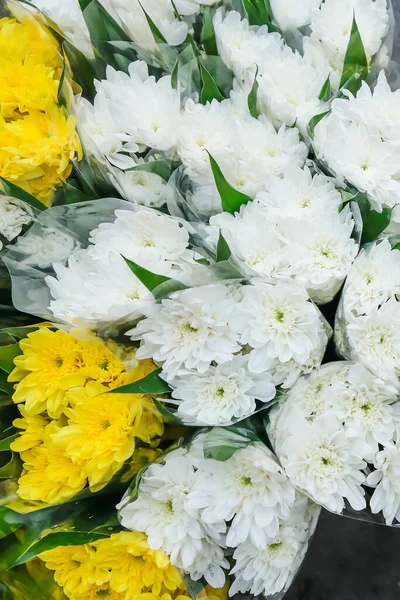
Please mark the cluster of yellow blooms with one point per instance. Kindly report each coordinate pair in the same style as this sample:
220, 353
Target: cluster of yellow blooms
75, 432
37, 137
121, 567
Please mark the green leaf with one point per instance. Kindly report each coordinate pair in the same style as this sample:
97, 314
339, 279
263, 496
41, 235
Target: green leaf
396, 246
85, 71
231, 199
314, 122
84, 3
168, 416
6, 386
194, 587
10, 521
7, 355
6, 442
61, 97
151, 384
18, 333
158, 36
152, 280
223, 250
70, 524
325, 92
12, 468
259, 12
252, 98
10, 189
374, 223
221, 443
209, 90
175, 75
73, 195
158, 167
207, 38
101, 25
355, 67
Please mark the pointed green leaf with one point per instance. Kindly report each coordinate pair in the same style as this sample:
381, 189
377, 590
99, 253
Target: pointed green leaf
396, 246
231, 199
374, 223
355, 61
10, 189
84, 3
9, 521
259, 12
207, 33
5, 386
325, 92
158, 36
151, 384
61, 97
223, 250
210, 90
175, 75
73, 195
6, 442
7, 355
152, 280
101, 25
168, 416
12, 468
252, 98
314, 122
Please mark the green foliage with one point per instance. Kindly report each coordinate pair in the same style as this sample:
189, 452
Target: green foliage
150, 384
223, 250
355, 68
231, 199
252, 98
10, 189
210, 90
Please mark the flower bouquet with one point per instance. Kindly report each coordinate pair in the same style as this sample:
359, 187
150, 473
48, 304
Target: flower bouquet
199, 233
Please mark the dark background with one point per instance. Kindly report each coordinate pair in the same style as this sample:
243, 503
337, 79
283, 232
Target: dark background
348, 559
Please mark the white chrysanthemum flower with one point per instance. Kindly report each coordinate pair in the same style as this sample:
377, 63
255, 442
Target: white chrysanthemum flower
44, 248
287, 373
270, 569
162, 511
67, 15
326, 463
250, 489
357, 154
243, 48
153, 240
223, 394
323, 60
99, 135
291, 15
289, 88
246, 149
86, 289
375, 340
140, 187
278, 322
373, 279
191, 329
366, 405
253, 237
322, 252
297, 194
386, 480
13, 217
131, 16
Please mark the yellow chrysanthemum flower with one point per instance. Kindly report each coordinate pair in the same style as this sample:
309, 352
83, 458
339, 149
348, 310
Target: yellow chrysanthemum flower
33, 432
49, 366
122, 566
38, 139
49, 476
102, 428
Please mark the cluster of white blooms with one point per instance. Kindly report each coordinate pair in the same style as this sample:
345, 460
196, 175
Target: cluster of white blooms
359, 142
68, 17
131, 16
246, 149
97, 285
331, 26
293, 230
13, 217
289, 85
195, 508
223, 346
366, 328
332, 424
